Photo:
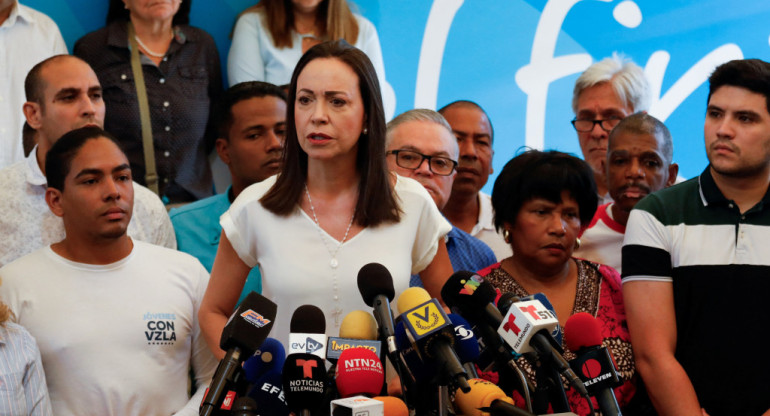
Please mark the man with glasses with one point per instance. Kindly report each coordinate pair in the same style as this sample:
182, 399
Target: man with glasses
420, 145
607, 92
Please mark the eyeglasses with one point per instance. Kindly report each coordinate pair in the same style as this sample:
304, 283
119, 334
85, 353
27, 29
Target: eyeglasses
409, 159
588, 125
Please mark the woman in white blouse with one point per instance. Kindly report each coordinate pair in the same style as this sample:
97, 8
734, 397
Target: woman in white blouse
332, 209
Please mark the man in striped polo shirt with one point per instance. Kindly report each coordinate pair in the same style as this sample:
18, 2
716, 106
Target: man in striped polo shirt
696, 262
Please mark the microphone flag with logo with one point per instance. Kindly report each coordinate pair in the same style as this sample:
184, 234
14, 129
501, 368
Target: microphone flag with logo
307, 331
304, 377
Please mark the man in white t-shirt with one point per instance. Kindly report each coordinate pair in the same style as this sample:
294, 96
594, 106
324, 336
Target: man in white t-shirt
468, 208
63, 94
640, 156
116, 319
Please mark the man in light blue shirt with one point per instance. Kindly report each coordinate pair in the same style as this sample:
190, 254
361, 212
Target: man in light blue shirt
252, 126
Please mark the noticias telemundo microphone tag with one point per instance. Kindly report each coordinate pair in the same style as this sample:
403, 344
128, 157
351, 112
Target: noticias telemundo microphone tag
336, 345
425, 319
308, 343
522, 321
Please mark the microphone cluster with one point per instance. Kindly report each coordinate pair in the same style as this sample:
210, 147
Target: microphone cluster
435, 355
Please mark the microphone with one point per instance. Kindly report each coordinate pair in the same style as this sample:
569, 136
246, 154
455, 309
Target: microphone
269, 357
594, 363
466, 344
244, 332
357, 406
359, 372
486, 398
244, 406
393, 406
376, 286
307, 331
268, 392
303, 383
358, 329
433, 333
556, 333
472, 296
527, 327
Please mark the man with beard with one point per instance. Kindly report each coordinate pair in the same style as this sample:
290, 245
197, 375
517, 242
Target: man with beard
419, 145
640, 153
252, 126
696, 262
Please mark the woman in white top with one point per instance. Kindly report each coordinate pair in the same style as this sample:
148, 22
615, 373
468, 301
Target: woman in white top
332, 209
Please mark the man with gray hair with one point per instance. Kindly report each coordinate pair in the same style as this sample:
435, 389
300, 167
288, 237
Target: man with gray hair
605, 93
420, 145
640, 156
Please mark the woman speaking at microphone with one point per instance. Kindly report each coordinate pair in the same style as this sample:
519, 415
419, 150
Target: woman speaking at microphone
542, 200
333, 208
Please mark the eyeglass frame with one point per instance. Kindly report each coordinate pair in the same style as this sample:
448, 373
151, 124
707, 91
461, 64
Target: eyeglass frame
600, 122
424, 157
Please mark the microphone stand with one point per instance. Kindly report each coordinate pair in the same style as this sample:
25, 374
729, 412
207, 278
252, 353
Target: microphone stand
549, 388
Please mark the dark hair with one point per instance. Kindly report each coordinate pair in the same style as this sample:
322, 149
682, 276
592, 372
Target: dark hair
376, 199
643, 123
117, 11
751, 74
241, 92
536, 174
59, 158
34, 83
469, 104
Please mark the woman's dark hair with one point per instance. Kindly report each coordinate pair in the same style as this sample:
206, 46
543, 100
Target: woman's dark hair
376, 199
59, 158
118, 11
536, 174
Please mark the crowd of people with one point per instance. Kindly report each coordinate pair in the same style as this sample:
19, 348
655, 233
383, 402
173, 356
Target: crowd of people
110, 304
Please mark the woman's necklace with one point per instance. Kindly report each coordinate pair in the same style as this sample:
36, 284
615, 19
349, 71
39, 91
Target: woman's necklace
337, 312
146, 49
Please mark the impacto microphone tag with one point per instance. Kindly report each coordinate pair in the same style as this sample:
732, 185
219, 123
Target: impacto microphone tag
522, 321
425, 319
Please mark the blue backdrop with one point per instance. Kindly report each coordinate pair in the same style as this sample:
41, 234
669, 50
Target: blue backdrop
519, 58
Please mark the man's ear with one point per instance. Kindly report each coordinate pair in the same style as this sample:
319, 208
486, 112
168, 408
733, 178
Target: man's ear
491, 158
33, 114
673, 171
53, 199
223, 150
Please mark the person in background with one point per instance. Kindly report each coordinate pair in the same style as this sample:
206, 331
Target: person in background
115, 318
541, 201
252, 128
696, 261
63, 94
21, 370
271, 36
420, 145
640, 156
182, 77
604, 94
334, 207
468, 208
27, 37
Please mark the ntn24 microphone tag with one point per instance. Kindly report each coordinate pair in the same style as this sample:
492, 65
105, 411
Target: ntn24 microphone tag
522, 321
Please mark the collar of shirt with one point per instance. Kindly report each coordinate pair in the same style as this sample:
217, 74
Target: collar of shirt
486, 216
118, 36
17, 12
35, 175
711, 195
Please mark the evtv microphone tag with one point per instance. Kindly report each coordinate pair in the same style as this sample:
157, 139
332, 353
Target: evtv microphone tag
522, 321
308, 343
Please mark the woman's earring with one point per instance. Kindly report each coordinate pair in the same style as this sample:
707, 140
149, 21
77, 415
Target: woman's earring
365, 131
577, 243
507, 236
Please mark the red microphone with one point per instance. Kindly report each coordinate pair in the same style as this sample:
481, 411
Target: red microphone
594, 364
359, 372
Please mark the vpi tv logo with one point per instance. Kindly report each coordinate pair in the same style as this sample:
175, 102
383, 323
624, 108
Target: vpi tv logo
255, 318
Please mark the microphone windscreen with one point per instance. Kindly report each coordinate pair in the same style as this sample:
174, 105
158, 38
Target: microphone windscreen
303, 382
358, 325
268, 393
505, 301
249, 325
244, 406
412, 297
374, 279
466, 344
482, 394
582, 330
308, 319
359, 372
270, 356
468, 292
393, 406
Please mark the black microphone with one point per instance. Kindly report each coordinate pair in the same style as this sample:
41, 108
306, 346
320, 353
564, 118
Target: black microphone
304, 377
307, 331
243, 334
376, 286
268, 392
244, 406
594, 363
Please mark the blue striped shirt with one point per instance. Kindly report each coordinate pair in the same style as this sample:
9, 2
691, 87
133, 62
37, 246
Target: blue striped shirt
22, 382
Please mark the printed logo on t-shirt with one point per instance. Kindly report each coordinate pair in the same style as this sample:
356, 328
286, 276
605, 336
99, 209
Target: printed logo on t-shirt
160, 328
